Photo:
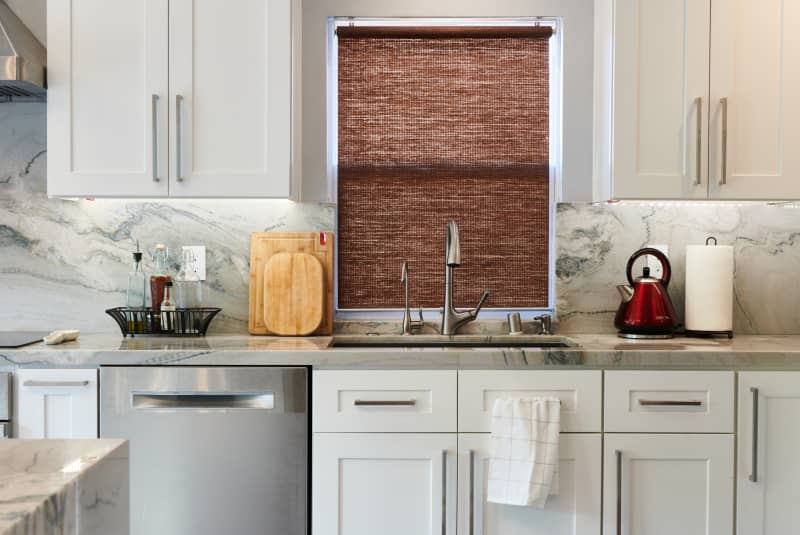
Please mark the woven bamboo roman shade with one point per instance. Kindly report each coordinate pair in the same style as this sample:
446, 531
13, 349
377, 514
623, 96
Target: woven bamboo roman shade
439, 123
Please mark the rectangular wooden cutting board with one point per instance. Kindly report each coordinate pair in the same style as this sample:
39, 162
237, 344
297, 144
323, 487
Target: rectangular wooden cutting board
263, 246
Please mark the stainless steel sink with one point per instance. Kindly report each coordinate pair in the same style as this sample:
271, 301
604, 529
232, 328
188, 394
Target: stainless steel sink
459, 340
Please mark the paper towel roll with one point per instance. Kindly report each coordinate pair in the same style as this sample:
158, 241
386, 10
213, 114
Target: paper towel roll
709, 288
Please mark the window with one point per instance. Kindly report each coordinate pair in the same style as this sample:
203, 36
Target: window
440, 120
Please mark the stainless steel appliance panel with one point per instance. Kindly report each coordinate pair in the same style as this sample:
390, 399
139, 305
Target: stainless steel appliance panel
5, 397
212, 450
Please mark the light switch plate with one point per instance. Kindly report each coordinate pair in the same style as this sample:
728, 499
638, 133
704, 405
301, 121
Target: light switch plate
199, 259
653, 263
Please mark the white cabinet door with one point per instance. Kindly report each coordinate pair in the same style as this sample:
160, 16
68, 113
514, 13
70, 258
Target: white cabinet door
668, 484
107, 98
660, 102
231, 98
575, 511
768, 488
391, 484
754, 56
56, 403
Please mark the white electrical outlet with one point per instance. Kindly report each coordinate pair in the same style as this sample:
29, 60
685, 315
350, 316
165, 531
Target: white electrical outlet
199, 253
653, 263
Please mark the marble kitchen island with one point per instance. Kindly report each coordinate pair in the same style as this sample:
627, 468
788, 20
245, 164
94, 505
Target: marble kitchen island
65, 487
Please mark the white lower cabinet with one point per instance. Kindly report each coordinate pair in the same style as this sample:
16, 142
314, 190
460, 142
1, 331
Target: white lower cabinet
56, 403
381, 483
667, 484
575, 511
769, 442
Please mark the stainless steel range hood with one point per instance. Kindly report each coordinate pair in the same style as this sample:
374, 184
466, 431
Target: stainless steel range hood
23, 59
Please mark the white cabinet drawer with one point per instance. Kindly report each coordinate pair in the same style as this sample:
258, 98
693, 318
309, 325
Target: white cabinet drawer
386, 401
669, 402
580, 393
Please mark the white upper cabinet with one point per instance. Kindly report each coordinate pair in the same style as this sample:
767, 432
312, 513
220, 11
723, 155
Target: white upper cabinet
231, 90
174, 98
107, 98
660, 99
700, 102
754, 56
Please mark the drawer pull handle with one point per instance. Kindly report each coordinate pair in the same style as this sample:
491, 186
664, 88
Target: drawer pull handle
56, 384
670, 403
385, 402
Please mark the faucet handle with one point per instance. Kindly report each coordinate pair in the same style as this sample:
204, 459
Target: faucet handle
484, 297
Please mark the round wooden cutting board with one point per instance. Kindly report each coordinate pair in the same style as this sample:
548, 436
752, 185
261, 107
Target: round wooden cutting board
294, 294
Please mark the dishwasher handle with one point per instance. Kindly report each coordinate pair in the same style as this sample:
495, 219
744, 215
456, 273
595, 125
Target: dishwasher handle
203, 400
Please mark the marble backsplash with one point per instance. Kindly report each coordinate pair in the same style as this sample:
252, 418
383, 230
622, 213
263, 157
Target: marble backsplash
594, 242
63, 262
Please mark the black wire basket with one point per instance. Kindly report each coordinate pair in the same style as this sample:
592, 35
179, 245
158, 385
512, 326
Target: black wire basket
149, 322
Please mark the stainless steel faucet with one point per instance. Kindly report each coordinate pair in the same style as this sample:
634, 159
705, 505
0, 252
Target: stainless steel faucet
409, 326
453, 319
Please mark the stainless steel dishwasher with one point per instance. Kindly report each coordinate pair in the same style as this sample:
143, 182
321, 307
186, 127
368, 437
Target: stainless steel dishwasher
212, 450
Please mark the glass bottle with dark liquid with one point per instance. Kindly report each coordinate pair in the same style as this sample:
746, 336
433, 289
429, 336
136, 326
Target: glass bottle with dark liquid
158, 280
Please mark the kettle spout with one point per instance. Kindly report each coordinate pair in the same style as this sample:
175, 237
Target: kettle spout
626, 292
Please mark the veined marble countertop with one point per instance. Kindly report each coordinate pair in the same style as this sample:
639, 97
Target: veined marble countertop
597, 351
63, 486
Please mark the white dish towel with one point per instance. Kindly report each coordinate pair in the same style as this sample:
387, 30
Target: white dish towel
523, 462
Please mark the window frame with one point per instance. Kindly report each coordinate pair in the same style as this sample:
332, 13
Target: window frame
556, 115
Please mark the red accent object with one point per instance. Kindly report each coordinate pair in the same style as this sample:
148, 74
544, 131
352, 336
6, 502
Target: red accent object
649, 309
323, 239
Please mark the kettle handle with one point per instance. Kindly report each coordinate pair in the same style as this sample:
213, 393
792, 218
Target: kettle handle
666, 268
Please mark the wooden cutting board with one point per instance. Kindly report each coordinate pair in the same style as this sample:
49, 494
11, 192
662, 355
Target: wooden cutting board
265, 245
294, 294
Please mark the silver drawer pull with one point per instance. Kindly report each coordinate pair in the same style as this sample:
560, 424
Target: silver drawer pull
670, 403
385, 402
56, 384
204, 400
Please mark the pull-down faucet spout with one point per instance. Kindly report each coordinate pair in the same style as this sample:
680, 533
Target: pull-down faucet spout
453, 319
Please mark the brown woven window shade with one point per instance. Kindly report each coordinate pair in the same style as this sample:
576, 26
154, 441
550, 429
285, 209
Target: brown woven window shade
436, 124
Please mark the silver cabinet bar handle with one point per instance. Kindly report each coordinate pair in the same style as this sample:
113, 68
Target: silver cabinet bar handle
471, 492
178, 139
56, 384
754, 468
444, 492
699, 148
619, 492
155, 138
670, 403
724, 177
385, 402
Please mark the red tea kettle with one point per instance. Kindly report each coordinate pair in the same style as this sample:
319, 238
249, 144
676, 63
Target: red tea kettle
646, 310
